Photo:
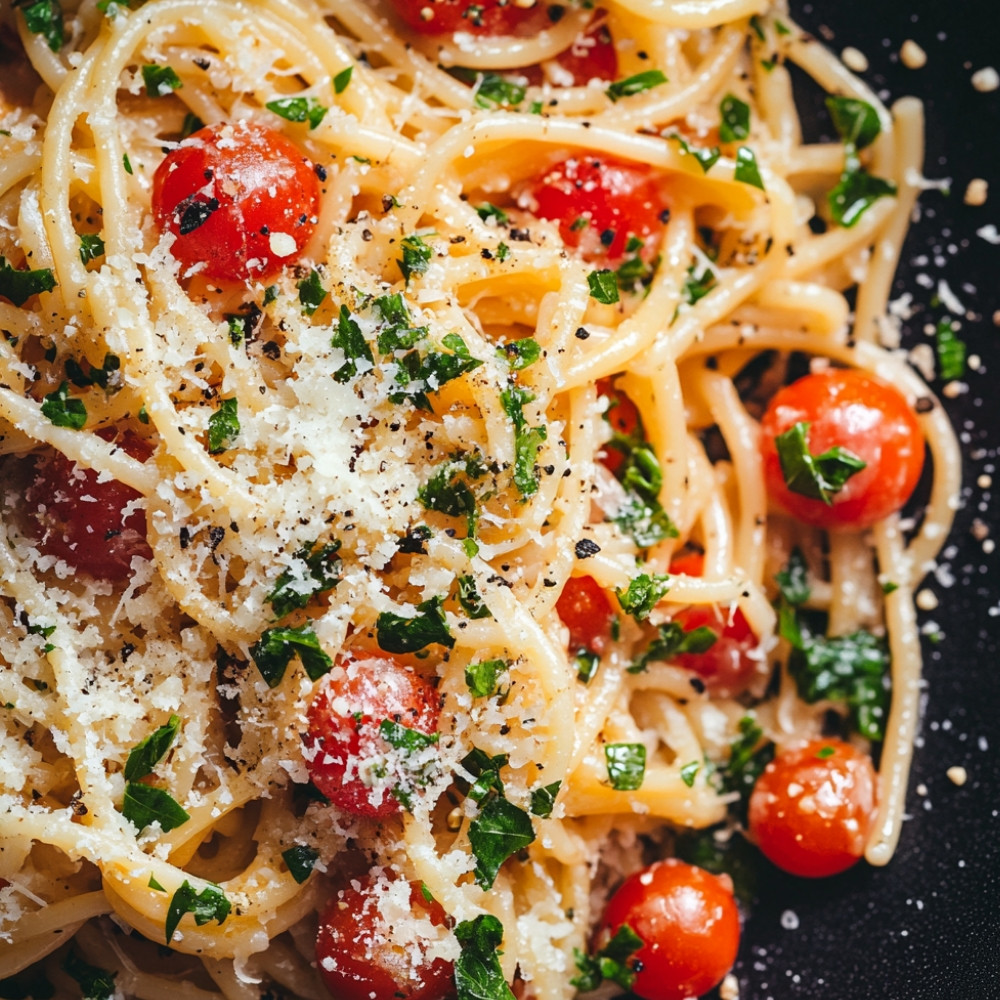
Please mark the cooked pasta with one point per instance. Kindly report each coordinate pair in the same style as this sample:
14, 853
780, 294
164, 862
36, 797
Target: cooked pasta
433, 418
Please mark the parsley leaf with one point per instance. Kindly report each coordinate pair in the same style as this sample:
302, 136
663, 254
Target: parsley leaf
301, 109
641, 515
489, 211
94, 983
274, 650
950, 349
341, 81
147, 804
815, 476
478, 975
499, 830
527, 440
642, 594
481, 677
349, 338
397, 634
493, 90
470, 600
44, 17
626, 764
635, 84
696, 287
160, 80
148, 752
735, 114
749, 754
519, 354
857, 191
671, 640
64, 410
416, 257
301, 859
856, 121
404, 738
223, 426
419, 373
747, 171
19, 286
311, 292
707, 158
315, 570
209, 904
543, 799
610, 963
106, 376
603, 286
91, 247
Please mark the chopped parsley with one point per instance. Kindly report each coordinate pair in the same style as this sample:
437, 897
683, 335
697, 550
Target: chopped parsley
106, 377
274, 650
818, 477
470, 599
488, 211
223, 426
527, 440
301, 109
209, 904
149, 751
478, 975
747, 171
315, 569
91, 247
481, 677
707, 158
610, 963
642, 594
160, 80
636, 84
349, 338
543, 799
64, 410
603, 286
499, 830
341, 81
640, 514
519, 354
735, 115
416, 257
697, 287
626, 763
301, 859
311, 292
689, 772
950, 349
749, 754
94, 983
45, 18
493, 90
671, 640
419, 373
19, 286
398, 634
144, 805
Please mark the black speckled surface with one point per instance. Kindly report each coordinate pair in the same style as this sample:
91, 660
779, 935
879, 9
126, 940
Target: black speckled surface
927, 927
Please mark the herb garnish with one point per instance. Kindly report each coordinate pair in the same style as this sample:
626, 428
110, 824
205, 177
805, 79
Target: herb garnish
349, 338
274, 650
300, 109
527, 440
160, 80
603, 286
301, 859
747, 171
144, 805
398, 634
341, 80
642, 594
44, 17
478, 975
94, 983
671, 640
950, 349
636, 84
315, 569
19, 286
91, 247
818, 477
611, 962
209, 904
626, 764
735, 114
543, 799
223, 426
416, 257
311, 292
149, 751
481, 677
64, 410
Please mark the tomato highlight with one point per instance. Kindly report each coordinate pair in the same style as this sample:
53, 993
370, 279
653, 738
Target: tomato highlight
587, 612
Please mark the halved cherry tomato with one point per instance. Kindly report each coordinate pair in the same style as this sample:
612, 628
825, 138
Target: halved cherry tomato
349, 760
356, 960
852, 410
623, 416
600, 203
481, 17
689, 925
90, 524
591, 57
586, 611
813, 807
727, 666
241, 200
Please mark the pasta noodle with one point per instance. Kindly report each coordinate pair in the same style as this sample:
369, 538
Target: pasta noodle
300, 477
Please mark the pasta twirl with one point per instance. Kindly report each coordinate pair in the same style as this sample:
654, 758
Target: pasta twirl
448, 419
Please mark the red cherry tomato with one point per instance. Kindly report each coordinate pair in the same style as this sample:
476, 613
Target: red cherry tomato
356, 960
868, 417
727, 666
89, 524
599, 203
586, 611
688, 922
482, 17
349, 760
241, 199
813, 807
623, 416
591, 57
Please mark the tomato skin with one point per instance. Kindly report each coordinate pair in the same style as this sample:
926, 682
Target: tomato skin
689, 924
591, 57
812, 809
75, 517
231, 194
728, 666
623, 416
586, 611
617, 199
344, 718
866, 416
482, 17
356, 963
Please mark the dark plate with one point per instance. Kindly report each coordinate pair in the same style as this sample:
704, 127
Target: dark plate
927, 927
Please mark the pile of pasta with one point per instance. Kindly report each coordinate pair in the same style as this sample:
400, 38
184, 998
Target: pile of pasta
430, 496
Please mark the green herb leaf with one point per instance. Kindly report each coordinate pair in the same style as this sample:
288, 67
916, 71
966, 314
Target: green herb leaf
148, 752
489, 211
610, 963
404, 738
223, 426
641, 515
153, 884
349, 338
626, 765
671, 640
543, 799
19, 286
396, 634
105, 376
707, 158
818, 477
950, 351
689, 772
793, 580
146, 804
301, 859
44, 17
419, 373
527, 440
315, 570
695, 287
470, 600
481, 677
274, 650
498, 831
495, 91
856, 121
603, 286
64, 410
341, 81
749, 754
478, 975
91, 247
735, 126
311, 292
635, 84
301, 109
642, 594
519, 354
127, 164
94, 983
160, 80
747, 171
191, 124
586, 665
416, 257
209, 904
856, 192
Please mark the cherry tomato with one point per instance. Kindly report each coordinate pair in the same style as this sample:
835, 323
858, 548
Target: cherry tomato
88, 523
349, 760
241, 200
600, 203
623, 416
358, 963
727, 666
689, 925
862, 414
586, 611
590, 57
482, 17
813, 807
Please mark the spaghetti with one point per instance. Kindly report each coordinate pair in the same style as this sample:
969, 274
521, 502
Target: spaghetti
433, 423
